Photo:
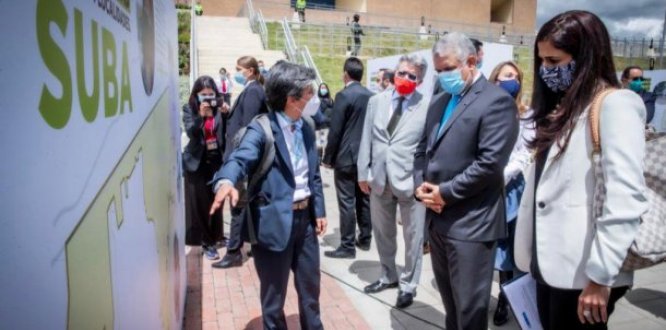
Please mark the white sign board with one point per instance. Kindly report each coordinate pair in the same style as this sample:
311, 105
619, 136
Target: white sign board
91, 206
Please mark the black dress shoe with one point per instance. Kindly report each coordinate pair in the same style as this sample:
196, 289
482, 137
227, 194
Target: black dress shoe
501, 316
231, 259
341, 254
378, 286
404, 299
363, 246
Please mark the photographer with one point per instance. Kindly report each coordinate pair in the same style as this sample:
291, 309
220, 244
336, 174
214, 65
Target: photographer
201, 158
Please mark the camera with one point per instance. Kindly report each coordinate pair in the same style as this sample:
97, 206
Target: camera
214, 102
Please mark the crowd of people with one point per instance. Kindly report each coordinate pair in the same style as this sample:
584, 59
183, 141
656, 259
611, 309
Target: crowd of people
481, 180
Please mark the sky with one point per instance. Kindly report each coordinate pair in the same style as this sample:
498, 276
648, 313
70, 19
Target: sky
623, 18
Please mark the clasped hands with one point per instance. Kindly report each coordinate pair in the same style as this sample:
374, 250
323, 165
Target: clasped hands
229, 192
429, 195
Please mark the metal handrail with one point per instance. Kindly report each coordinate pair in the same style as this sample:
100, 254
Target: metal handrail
289, 42
194, 52
263, 30
251, 15
309, 62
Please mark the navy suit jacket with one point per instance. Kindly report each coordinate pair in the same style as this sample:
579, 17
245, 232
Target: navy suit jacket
346, 126
467, 159
194, 127
272, 205
250, 102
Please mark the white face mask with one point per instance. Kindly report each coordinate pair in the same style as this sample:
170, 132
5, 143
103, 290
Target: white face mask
311, 107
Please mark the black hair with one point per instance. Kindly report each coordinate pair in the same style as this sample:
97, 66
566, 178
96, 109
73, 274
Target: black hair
585, 37
200, 84
627, 70
477, 44
287, 79
354, 68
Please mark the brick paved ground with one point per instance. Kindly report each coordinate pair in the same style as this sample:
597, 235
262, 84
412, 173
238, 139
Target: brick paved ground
229, 299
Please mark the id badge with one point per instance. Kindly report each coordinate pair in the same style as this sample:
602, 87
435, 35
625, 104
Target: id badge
211, 145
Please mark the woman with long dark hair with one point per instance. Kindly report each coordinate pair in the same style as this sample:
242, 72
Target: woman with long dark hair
575, 256
201, 158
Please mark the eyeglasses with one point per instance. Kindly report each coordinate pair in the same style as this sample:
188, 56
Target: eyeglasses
637, 78
405, 74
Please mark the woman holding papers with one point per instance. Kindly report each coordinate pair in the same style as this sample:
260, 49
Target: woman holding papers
574, 256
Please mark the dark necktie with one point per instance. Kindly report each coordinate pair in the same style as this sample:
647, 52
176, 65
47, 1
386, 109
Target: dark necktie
395, 117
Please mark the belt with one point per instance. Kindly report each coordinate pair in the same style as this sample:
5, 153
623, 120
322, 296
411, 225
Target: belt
301, 205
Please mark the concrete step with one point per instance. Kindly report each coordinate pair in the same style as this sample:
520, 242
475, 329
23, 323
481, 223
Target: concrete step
222, 40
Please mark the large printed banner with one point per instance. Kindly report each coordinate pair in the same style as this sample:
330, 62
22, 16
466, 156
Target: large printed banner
90, 191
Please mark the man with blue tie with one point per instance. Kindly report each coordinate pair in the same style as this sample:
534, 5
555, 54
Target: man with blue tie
470, 131
287, 204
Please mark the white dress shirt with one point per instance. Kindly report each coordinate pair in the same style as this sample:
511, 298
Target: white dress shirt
300, 166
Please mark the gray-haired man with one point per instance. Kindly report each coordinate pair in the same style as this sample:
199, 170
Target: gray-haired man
394, 123
471, 129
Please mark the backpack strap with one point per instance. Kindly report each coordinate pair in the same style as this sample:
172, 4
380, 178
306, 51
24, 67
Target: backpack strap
595, 109
268, 154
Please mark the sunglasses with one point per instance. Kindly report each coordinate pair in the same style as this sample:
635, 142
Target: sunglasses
405, 74
637, 78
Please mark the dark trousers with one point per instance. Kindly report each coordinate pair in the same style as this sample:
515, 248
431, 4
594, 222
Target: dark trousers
354, 207
201, 228
235, 242
464, 273
302, 257
558, 308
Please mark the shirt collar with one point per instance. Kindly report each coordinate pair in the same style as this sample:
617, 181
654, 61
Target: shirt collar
395, 96
350, 82
286, 122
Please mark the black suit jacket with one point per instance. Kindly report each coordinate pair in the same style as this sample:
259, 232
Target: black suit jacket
194, 150
346, 126
467, 161
250, 102
649, 99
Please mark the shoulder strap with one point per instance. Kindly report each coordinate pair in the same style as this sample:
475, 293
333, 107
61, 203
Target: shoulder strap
310, 122
268, 154
595, 109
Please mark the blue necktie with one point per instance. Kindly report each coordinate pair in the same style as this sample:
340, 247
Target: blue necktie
453, 102
296, 128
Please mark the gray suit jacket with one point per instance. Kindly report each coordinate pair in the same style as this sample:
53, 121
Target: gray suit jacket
466, 160
382, 156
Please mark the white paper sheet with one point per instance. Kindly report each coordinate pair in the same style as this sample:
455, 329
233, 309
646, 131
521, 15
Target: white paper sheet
521, 294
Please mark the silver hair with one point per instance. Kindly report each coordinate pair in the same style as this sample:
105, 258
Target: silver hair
287, 79
454, 43
416, 60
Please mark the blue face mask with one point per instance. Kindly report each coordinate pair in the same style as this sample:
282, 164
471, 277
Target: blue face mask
558, 78
479, 64
240, 78
451, 81
512, 86
323, 92
636, 85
